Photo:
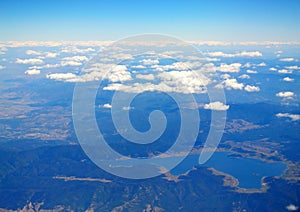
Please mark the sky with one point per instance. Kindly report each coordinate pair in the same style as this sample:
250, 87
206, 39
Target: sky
230, 20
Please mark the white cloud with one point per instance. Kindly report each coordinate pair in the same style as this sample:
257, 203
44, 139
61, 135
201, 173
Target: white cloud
73, 61
106, 105
288, 79
292, 207
232, 84
284, 71
287, 59
32, 72
286, 94
293, 67
251, 71
51, 55
128, 108
261, 64
225, 76
138, 66
32, 61
247, 65
253, 88
240, 54
32, 52
2, 67
273, 69
76, 50
244, 76
61, 76
278, 53
150, 61
293, 117
231, 68
216, 106
145, 76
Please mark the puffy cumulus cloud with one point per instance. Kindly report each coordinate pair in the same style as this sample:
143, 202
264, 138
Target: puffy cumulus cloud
231, 68
138, 66
73, 61
263, 64
293, 117
244, 76
252, 88
42, 54
225, 76
106, 105
285, 94
293, 67
32, 61
2, 67
32, 72
287, 59
251, 71
119, 74
51, 55
192, 81
273, 69
145, 76
216, 106
76, 50
288, 79
32, 52
62, 76
247, 65
230, 84
292, 207
278, 53
285, 71
149, 62
240, 54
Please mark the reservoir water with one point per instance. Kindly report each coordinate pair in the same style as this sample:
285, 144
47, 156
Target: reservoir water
248, 171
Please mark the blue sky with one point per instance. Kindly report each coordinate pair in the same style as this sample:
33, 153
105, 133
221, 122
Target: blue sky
233, 20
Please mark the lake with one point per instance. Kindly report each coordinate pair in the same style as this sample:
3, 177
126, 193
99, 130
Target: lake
248, 171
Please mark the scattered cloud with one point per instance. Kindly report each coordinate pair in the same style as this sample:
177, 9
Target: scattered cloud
230, 84
273, 69
216, 106
251, 71
286, 94
145, 76
250, 88
149, 62
293, 67
32, 52
73, 61
244, 76
106, 105
293, 117
32, 61
32, 72
2, 67
287, 59
292, 207
263, 64
61, 76
51, 55
76, 50
240, 54
231, 68
278, 53
288, 79
127, 108
285, 71
138, 66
